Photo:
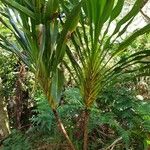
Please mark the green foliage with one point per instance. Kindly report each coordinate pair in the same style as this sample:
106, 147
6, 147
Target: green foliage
7, 72
71, 102
95, 61
71, 105
117, 108
128, 116
16, 141
40, 40
43, 118
95, 58
43, 121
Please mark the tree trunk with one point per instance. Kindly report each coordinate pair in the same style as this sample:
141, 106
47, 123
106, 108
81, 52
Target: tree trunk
85, 134
19, 95
63, 130
4, 123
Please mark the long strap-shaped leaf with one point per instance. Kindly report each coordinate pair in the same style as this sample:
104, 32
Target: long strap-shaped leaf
69, 26
100, 64
19, 7
132, 13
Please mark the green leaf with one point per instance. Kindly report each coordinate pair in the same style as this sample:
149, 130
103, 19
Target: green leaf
51, 8
57, 85
20, 8
70, 24
128, 41
134, 11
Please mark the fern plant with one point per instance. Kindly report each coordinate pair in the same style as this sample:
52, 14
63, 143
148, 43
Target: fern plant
128, 116
17, 141
43, 120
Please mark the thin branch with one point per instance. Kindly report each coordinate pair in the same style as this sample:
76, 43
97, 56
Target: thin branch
63, 130
111, 146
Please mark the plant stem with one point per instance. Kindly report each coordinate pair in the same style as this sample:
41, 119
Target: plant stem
110, 147
85, 136
63, 130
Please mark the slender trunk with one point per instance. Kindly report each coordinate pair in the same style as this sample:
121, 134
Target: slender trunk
4, 120
63, 130
19, 95
85, 134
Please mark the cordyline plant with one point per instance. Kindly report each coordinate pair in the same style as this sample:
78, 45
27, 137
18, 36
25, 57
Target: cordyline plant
41, 40
96, 54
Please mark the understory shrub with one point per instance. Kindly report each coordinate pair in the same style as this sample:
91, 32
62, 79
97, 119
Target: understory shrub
116, 115
17, 141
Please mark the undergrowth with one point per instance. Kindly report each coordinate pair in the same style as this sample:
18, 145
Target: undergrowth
116, 114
